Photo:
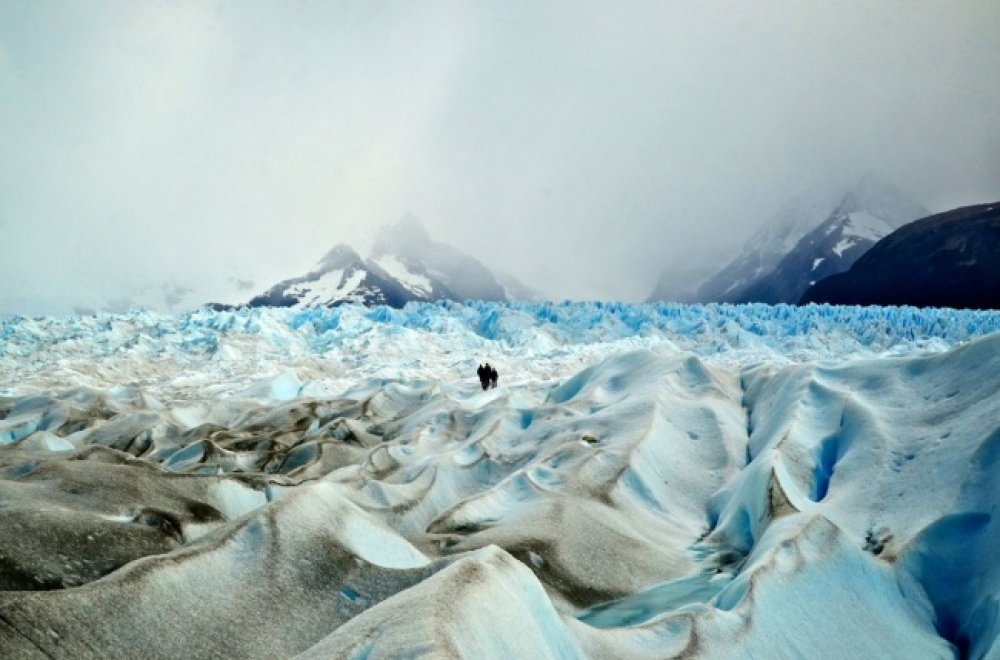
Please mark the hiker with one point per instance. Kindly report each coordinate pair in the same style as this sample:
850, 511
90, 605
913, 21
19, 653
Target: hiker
484, 375
494, 377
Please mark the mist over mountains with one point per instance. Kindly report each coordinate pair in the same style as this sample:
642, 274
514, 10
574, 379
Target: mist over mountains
405, 265
806, 241
810, 239
151, 148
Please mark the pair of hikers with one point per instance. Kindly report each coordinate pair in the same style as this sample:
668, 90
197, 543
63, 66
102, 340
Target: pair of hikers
488, 376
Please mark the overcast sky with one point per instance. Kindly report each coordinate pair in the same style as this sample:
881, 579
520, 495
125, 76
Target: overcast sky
151, 147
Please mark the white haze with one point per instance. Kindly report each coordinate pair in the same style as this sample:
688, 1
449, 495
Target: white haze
158, 151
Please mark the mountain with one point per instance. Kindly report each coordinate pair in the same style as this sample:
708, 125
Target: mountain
341, 276
807, 240
405, 265
406, 251
863, 216
951, 259
763, 250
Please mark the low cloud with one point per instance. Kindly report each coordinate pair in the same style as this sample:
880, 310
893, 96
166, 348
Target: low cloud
581, 146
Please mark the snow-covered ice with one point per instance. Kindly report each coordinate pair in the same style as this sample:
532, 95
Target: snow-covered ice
398, 270
844, 244
330, 286
647, 481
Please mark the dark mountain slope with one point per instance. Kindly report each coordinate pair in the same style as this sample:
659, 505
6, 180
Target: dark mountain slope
951, 259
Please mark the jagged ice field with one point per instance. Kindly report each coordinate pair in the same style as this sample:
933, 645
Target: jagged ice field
647, 481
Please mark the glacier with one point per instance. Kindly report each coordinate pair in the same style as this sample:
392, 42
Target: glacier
648, 481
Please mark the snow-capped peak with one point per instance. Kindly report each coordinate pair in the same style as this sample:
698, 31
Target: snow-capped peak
340, 256
406, 264
419, 284
779, 260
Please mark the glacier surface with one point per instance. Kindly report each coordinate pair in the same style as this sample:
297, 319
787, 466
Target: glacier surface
648, 481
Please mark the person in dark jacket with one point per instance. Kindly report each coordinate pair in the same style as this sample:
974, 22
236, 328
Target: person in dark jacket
484, 375
494, 377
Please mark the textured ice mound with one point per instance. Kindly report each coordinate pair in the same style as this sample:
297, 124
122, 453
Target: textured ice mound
646, 482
